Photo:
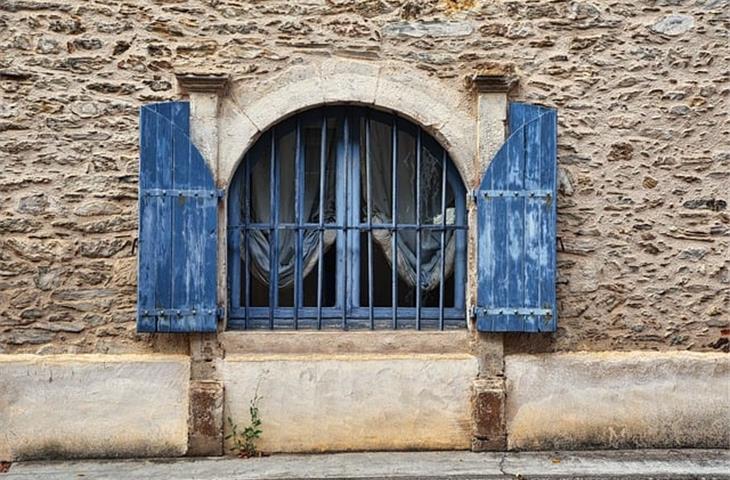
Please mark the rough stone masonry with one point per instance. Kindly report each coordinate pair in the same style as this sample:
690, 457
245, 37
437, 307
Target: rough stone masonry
641, 87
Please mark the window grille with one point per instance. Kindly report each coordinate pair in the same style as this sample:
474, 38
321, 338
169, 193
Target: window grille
347, 218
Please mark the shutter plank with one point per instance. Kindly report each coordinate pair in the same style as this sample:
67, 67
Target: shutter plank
163, 236
548, 178
534, 233
147, 247
514, 255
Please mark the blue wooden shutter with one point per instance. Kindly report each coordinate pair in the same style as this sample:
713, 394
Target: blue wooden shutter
516, 227
178, 205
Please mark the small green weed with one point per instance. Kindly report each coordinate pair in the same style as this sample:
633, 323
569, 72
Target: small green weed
244, 442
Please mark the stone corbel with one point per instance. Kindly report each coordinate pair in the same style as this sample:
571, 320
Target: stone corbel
202, 83
493, 83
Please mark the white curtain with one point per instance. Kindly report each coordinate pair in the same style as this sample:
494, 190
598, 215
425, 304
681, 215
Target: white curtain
430, 199
259, 240
381, 202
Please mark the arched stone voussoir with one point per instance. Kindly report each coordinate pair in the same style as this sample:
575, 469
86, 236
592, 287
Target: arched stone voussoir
444, 110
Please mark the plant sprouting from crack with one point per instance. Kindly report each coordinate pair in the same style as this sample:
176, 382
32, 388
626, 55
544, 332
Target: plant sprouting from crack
244, 442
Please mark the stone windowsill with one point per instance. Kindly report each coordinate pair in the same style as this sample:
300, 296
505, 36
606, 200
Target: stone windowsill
345, 343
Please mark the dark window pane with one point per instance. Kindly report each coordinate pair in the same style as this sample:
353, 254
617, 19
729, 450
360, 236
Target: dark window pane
381, 171
285, 156
260, 182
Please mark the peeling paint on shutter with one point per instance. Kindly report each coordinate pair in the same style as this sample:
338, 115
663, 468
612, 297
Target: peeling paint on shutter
178, 205
516, 234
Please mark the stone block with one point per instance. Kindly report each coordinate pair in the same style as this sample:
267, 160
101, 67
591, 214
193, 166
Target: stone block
80, 406
488, 414
618, 400
205, 436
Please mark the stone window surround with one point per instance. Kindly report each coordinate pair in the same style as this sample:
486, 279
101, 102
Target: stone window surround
470, 123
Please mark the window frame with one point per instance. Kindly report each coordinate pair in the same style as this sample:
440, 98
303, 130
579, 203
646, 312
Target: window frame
242, 316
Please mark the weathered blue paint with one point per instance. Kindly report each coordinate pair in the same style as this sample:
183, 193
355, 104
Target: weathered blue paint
178, 226
516, 215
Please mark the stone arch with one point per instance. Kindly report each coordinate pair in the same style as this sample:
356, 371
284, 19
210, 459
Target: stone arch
445, 110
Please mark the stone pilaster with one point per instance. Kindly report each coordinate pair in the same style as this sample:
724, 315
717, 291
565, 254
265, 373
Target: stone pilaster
205, 424
488, 389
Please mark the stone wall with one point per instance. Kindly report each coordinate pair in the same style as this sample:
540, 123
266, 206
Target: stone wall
642, 91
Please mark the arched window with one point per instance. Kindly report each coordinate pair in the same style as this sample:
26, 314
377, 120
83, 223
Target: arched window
346, 217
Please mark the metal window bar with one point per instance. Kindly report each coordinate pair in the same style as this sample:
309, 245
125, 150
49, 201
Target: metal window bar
234, 242
273, 231
349, 227
368, 180
322, 176
246, 237
341, 187
442, 265
418, 230
298, 214
353, 207
394, 214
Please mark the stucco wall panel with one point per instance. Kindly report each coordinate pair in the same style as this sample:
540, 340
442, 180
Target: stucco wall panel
618, 400
65, 406
356, 402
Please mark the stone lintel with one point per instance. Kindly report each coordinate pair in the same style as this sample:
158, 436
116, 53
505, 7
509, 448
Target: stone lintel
202, 83
492, 83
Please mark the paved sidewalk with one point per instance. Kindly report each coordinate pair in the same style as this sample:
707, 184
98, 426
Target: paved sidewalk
634, 464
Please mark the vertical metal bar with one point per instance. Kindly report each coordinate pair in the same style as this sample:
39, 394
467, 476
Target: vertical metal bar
299, 213
353, 205
322, 177
246, 239
460, 255
418, 229
442, 280
273, 231
346, 134
368, 153
341, 201
235, 217
394, 213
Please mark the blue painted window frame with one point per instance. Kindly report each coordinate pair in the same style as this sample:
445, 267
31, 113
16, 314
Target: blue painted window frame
347, 313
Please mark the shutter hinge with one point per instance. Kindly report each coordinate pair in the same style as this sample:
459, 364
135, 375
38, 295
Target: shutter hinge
176, 312
174, 192
547, 194
472, 195
481, 311
221, 313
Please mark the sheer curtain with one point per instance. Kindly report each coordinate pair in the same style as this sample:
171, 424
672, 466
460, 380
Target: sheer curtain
382, 202
259, 240
430, 208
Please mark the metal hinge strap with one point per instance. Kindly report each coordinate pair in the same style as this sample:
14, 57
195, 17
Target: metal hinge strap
481, 311
515, 193
177, 312
174, 192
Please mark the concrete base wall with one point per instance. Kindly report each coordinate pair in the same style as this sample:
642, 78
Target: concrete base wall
356, 402
65, 406
618, 400
138, 405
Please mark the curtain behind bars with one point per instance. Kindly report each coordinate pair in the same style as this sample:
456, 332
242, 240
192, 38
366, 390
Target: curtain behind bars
430, 208
382, 200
